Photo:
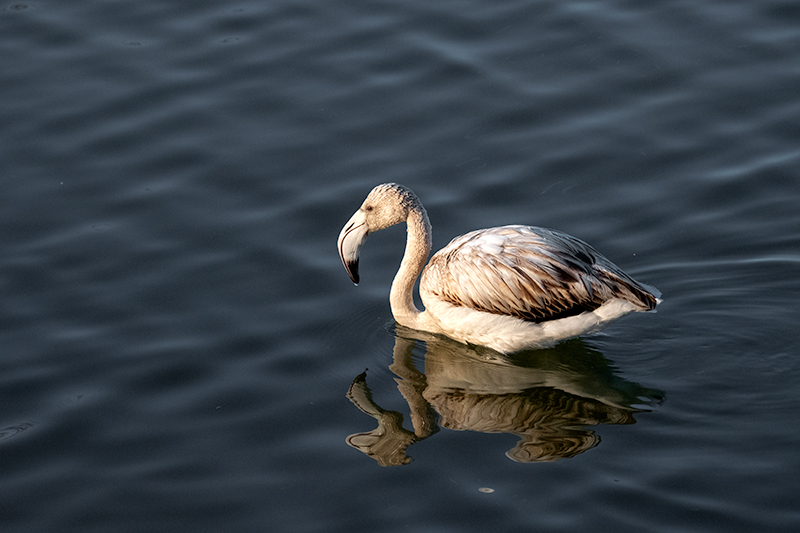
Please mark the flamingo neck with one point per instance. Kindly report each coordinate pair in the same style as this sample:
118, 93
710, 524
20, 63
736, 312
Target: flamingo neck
418, 246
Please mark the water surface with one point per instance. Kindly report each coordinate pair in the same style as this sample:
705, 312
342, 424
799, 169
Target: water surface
179, 338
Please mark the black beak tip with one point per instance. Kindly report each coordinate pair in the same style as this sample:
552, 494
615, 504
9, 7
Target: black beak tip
352, 270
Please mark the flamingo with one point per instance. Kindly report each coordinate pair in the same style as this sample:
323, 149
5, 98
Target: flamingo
509, 288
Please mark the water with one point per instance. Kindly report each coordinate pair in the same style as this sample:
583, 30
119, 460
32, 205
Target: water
178, 335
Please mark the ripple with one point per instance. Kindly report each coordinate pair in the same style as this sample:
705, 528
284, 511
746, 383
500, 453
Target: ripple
13, 431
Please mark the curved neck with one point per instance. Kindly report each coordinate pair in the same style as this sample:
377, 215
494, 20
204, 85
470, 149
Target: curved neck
418, 246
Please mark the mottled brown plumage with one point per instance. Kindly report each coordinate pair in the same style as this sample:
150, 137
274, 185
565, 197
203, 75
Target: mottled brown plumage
530, 273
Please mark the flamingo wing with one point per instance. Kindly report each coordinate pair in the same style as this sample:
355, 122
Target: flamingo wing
531, 273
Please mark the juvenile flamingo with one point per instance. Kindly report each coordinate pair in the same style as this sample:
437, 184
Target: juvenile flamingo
509, 288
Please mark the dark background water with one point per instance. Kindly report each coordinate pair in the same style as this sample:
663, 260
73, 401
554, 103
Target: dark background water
178, 335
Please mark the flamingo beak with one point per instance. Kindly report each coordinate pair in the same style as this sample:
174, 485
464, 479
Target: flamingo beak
351, 238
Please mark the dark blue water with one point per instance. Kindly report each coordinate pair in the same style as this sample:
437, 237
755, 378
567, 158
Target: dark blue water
178, 337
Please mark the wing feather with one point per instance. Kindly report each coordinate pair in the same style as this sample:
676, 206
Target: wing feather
531, 273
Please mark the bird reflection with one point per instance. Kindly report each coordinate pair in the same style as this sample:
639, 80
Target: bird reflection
548, 398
